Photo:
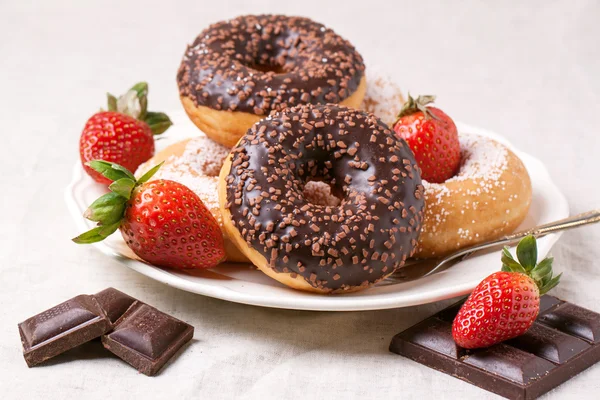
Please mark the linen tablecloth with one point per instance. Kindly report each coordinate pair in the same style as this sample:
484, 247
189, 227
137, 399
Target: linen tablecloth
527, 70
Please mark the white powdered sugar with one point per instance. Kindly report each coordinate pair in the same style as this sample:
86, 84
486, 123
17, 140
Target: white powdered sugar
203, 155
384, 97
482, 158
197, 168
483, 162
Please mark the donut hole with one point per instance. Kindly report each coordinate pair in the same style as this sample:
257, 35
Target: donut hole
320, 193
269, 67
273, 55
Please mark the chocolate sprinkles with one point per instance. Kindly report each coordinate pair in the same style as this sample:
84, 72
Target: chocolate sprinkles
263, 63
334, 248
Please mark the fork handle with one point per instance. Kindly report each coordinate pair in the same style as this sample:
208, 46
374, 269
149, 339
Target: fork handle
575, 221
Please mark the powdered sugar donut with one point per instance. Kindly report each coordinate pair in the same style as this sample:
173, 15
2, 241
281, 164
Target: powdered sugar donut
488, 198
196, 163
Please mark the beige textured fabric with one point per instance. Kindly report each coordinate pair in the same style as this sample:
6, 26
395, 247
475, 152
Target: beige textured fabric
527, 70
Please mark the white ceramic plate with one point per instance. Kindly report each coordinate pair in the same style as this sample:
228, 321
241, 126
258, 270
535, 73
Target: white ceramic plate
244, 284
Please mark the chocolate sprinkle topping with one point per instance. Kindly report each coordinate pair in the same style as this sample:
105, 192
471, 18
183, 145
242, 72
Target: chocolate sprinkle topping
258, 64
332, 248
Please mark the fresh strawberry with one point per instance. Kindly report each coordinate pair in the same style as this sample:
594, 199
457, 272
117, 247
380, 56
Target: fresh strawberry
162, 221
505, 304
432, 136
123, 134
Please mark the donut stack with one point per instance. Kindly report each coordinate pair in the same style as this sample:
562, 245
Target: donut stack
301, 170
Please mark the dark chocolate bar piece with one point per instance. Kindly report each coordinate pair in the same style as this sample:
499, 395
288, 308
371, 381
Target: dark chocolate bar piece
564, 341
574, 320
147, 338
114, 302
62, 328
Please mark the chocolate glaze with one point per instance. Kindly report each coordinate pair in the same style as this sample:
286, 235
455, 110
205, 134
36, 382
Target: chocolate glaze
262, 63
372, 231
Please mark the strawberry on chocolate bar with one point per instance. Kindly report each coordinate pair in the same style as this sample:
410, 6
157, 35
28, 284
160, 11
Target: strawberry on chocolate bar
506, 303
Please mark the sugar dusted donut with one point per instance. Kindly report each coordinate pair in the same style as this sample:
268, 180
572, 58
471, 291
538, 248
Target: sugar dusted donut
489, 197
196, 163
312, 247
236, 72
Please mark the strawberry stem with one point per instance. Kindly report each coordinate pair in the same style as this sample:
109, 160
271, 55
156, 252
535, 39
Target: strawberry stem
112, 102
419, 105
135, 103
527, 264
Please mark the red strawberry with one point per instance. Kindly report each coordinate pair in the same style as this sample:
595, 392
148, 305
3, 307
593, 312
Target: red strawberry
115, 137
124, 134
162, 221
432, 136
505, 304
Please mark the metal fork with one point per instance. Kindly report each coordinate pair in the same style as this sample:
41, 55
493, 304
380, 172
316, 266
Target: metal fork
575, 221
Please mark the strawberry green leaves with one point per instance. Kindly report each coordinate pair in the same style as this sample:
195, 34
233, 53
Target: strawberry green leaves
527, 252
135, 103
527, 264
112, 102
550, 284
108, 210
158, 122
144, 178
509, 264
123, 187
112, 171
97, 234
420, 104
542, 269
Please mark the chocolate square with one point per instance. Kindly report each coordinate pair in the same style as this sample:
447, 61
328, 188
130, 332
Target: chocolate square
114, 302
147, 338
62, 328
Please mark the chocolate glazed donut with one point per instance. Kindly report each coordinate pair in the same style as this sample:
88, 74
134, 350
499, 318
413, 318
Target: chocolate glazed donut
313, 247
236, 72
